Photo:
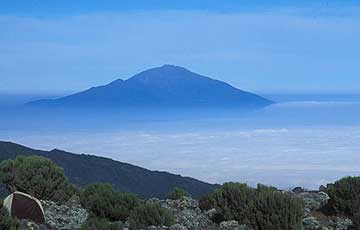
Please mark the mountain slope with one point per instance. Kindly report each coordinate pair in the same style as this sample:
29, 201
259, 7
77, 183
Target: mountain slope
86, 169
169, 86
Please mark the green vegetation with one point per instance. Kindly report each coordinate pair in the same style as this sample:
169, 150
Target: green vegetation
260, 208
83, 170
37, 176
6, 221
106, 203
345, 198
177, 193
345, 195
150, 214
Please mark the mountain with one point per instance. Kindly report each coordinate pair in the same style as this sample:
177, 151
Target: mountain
166, 86
85, 169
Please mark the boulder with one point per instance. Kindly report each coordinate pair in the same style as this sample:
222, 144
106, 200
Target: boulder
322, 188
310, 223
298, 190
313, 201
64, 217
231, 225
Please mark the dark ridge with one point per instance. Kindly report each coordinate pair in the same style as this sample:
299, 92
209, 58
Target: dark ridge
84, 169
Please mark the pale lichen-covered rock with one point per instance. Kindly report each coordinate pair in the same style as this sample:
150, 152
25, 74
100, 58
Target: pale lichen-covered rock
211, 213
178, 227
231, 225
29, 225
342, 223
188, 214
64, 217
326, 223
313, 201
310, 223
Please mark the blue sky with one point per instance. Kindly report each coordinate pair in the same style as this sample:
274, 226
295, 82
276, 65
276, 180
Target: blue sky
254, 45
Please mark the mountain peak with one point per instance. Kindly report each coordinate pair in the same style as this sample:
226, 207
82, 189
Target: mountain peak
168, 70
167, 85
172, 67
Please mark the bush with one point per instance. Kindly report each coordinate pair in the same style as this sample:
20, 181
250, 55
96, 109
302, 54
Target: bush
260, 208
345, 198
355, 221
177, 193
6, 221
104, 202
345, 195
100, 224
37, 176
150, 214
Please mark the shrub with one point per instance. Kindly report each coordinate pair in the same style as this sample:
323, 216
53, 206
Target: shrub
345, 195
6, 221
94, 223
260, 208
104, 202
355, 221
150, 214
37, 176
177, 193
345, 198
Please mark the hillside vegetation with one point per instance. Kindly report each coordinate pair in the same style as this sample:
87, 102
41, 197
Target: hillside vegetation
233, 206
83, 170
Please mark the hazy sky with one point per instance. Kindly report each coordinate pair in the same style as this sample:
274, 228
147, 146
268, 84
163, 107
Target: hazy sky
255, 45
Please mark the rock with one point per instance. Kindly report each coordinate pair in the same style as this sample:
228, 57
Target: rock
157, 228
343, 223
29, 225
313, 201
178, 227
153, 200
298, 190
231, 225
183, 203
64, 217
310, 223
188, 215
211, 213
322, 188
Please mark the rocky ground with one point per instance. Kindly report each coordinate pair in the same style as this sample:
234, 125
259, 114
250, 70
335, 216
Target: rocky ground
59, 217
190, 217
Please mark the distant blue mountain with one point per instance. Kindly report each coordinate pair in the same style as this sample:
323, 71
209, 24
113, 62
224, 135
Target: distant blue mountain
165, 86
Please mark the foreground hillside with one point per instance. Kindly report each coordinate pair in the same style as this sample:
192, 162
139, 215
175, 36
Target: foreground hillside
85, 169
233, 206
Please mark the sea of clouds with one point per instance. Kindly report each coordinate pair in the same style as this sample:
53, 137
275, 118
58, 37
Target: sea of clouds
300, 151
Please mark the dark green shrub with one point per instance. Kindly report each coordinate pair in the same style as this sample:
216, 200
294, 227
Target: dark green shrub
177, 193
275, 210
104, 202
345, 198
6, 221
231, 202
355, 221
100, 224
150, 214
345, 195
260, 208
37, 176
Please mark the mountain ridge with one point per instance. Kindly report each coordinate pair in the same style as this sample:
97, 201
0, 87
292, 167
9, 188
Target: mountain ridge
83, 169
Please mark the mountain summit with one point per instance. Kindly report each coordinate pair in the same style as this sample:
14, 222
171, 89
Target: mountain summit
165, 86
